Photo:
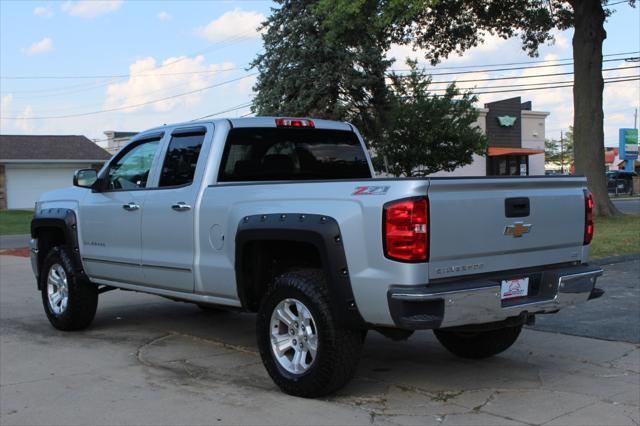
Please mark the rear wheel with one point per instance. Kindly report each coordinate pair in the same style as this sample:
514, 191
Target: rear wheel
70, 302
478, 344
303, 349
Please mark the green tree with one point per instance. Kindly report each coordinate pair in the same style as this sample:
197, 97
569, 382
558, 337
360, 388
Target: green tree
302, 73
427, 133
445, 27
560, 152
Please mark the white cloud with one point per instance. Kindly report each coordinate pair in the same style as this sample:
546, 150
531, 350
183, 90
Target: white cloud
23, 123
90, 8
149, 81
164, 16
5, 104
233, 23
44, 11
42, 46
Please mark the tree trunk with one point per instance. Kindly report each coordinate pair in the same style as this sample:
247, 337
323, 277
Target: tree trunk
588, 118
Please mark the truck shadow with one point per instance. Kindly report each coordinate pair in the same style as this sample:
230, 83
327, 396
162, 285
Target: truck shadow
206, 347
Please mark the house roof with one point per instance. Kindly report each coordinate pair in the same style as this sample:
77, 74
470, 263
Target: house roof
50, 147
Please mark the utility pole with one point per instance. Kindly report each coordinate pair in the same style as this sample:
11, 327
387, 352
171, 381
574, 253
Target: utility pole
635, 119
561, 152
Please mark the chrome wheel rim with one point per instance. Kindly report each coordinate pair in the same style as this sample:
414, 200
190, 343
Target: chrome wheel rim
294, 336
57, 289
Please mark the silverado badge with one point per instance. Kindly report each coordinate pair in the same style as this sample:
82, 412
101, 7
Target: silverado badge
518, 229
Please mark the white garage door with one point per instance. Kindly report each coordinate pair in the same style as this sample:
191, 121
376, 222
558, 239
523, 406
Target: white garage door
25, 184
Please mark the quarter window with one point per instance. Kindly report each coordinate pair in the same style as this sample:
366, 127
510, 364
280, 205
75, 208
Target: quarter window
131, 170
182, 157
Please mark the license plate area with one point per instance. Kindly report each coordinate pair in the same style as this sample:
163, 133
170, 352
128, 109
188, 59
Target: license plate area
514, 288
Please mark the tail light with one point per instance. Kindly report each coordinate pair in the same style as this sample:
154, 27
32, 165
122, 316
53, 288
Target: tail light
294, 122
406, 230
588, 217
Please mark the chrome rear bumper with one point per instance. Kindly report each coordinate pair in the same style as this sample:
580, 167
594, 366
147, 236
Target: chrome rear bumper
478, 301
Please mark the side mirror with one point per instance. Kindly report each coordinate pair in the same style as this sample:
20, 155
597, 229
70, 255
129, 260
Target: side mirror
85, 178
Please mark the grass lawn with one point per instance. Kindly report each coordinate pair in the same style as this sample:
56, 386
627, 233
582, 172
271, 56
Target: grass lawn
14, 222
616, 236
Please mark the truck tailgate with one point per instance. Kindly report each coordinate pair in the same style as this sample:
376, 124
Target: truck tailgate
471, 231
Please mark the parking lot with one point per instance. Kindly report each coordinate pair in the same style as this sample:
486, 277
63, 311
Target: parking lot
147, 360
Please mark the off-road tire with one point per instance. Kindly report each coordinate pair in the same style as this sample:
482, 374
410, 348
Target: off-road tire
477, 345
338, 349
82, 294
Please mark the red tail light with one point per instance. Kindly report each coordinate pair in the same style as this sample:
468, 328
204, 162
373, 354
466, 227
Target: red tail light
406, 230
588, 217
294, 122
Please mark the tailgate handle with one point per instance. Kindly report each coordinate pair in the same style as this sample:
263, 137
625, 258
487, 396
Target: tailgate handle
516, 207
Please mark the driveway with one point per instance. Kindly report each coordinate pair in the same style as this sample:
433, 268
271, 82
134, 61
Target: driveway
150, 361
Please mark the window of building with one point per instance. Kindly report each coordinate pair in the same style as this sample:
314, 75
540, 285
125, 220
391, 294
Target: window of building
508, 165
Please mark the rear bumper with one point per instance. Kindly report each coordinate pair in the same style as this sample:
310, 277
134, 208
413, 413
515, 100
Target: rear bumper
477, 301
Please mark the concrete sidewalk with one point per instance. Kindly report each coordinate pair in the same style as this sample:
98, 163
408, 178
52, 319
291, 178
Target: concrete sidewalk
150, 361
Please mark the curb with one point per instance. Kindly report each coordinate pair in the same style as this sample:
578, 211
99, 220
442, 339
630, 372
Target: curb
616, 259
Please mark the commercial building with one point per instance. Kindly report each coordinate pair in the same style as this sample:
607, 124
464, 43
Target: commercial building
516, 136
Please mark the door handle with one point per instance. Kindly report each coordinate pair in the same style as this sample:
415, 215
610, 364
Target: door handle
130, 207
181, 206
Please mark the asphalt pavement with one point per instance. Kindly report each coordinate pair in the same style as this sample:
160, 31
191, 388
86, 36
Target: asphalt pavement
614, 316
147, 360
627, 205
14, 241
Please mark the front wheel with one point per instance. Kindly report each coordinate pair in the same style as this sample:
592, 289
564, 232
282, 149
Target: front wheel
69, 301
303, 349
478, 344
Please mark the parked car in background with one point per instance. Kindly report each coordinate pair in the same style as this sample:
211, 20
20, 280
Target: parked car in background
620, 181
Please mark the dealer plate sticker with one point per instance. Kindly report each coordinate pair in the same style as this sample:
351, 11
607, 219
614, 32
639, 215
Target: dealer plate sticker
511, 289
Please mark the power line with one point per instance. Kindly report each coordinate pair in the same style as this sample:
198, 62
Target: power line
238, 37
525, 76
510, 69
241, 106
532, 84
523, 62
131, 106
124, 75
550, 87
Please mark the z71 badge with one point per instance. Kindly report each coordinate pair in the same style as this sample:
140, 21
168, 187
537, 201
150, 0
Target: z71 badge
371, 190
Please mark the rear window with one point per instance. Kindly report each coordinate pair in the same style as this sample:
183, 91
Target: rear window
258, 154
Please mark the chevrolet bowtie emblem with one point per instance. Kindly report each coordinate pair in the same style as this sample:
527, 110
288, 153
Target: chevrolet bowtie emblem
518, 229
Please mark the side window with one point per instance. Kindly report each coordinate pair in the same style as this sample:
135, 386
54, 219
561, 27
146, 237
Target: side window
131, 170
180, 162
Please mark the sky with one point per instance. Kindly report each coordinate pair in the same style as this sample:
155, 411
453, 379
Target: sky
84, 67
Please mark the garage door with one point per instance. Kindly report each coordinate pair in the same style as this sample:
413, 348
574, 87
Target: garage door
25, 184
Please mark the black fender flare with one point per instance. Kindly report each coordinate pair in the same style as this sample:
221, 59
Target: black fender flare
65, 220
323, 232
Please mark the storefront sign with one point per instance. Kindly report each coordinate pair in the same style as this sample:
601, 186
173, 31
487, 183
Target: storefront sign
506, 121
628, 144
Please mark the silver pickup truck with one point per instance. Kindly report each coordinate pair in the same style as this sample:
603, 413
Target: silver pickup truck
283, 217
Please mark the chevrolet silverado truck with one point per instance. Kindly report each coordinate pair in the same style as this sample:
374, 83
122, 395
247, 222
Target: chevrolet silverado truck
283, 217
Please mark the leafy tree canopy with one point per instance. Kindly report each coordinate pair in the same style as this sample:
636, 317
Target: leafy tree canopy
428, 133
